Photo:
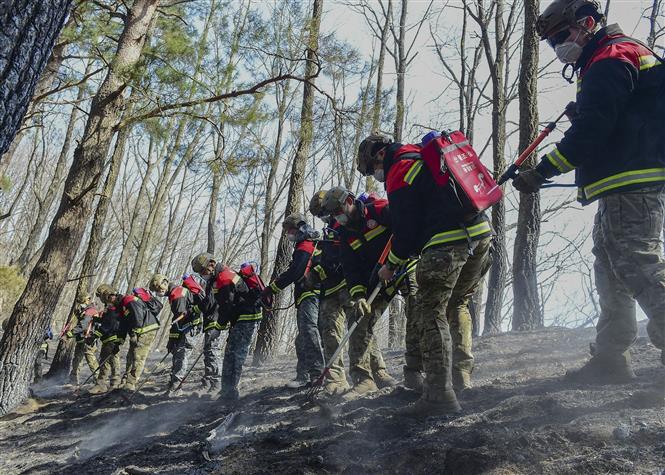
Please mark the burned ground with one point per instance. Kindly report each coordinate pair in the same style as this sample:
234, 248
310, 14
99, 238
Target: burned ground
519, 418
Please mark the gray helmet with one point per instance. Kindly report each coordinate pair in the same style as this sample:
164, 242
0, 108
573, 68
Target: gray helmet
316, 204
335, 198
83, 298
159, 283
368, 149
294, 221
562, 14
201, 261
104, 291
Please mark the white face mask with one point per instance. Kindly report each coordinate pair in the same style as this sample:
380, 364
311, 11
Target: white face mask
291, 237
379, 175
568, 52
342, 219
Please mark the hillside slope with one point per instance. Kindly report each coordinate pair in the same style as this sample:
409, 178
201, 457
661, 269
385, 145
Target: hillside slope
519, 418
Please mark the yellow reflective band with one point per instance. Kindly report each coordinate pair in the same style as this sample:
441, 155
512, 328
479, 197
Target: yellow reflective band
304, 295
146, 329
250, 317
411, 265
197, 321
579, 85
174, 335
321, 271
369, 235
647, 175
393, 259
459, 234
413, 172
275, 288
557, 159
316, 252
97, 333
648, 62
109, 339
215, 325
357, 289
337, 288
355, 244
196, 309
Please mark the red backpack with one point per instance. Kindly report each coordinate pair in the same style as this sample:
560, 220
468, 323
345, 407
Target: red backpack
251, 278
450, 157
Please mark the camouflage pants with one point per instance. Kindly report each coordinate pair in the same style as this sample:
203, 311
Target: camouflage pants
412, 355
139, 348
629, 267
181, 348
84, 349
235, 354
308, 341
447, 277
41, 356
333, 312
212, 347
109, 362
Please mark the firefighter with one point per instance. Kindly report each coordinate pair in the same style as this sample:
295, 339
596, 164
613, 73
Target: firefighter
616, 146
364, 231
186, 326
203, 266
83, 332
308, 341
42, 355
141, 311
335, 303
429, 220
238, 297
108, 333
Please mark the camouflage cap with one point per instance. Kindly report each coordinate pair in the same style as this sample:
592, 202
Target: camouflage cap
201, 261
316, 204
159, 283
103, 291
294, 221
367, 150
335, 198
83, 298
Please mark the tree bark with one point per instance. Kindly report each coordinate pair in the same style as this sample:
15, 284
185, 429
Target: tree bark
376, 107
400, 66
527, 314
266, 339
28, 31
31, 315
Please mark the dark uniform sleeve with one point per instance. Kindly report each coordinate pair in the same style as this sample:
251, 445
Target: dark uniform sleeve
179, 306
354, 277
137, 314
296, 270
405, 210
605, 90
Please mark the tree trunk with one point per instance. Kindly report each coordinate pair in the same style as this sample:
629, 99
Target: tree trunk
499, 269
400, 66
216, 169
376, 107
32, 241
28, 31
527, 314
266, 340
64, 353
31, 315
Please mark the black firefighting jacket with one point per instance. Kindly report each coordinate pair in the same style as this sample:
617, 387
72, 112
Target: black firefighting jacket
182, 302
299, 266
326, 264
616, 141
423, 214
141, 312
236, 301
109, 327
362, 244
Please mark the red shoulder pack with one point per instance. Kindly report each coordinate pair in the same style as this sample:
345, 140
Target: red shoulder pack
251, 278
451, 157
177, 293
225, 277
192, 285
126, 300
91, 312
143, 294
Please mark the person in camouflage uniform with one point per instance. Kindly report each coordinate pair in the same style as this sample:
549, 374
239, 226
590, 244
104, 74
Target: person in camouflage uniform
108, 333
616, 146
203, 266
86, 342
308, 341
42, 355
429, 220
185, 330
238, 297
140, 323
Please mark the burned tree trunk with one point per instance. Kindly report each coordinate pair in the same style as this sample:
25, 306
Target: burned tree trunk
30, 318
28, 31
267, 336
527, 313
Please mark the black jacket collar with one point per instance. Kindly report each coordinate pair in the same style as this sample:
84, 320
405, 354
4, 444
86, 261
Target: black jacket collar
595, 43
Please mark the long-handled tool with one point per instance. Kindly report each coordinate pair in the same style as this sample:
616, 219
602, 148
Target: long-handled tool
317, 385
155, 370
511, 172
101, 363
190, 370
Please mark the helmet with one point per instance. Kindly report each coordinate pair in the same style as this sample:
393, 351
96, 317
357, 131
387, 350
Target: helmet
104, 291
335, 198
159, 283
316, 204
201, 261
367, 149
83, 298
561, 14
294, 221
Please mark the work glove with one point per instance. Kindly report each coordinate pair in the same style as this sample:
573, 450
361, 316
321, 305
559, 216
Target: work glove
529, 181
267, 297
362, 308
571, 110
